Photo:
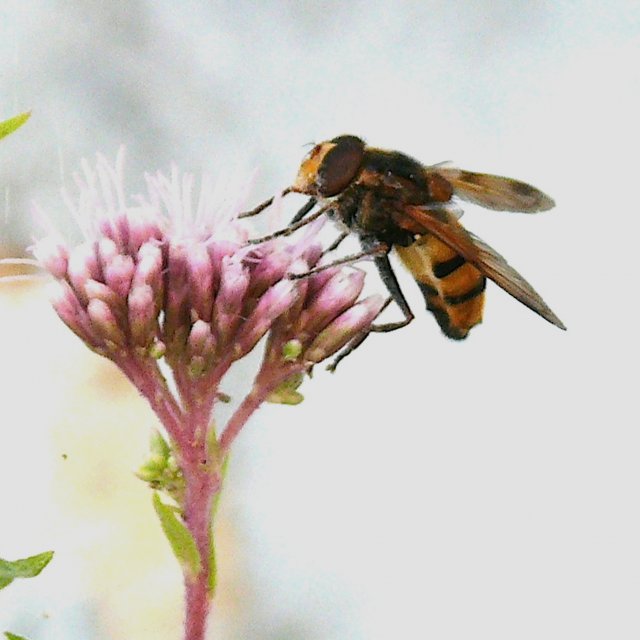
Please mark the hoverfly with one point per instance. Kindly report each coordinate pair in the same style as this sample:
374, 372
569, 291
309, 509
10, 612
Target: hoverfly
391, 201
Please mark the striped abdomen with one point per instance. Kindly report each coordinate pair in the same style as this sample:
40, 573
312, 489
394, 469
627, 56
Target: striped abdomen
453, 288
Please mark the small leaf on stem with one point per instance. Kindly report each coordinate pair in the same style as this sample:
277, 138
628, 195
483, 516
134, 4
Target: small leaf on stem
286, 392
182, 543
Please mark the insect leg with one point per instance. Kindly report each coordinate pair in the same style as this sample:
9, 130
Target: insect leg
287, 231
391, 282
262, 206
336, 243
311, 202
374, 250
354, 344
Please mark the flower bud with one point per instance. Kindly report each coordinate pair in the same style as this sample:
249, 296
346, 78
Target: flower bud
107, 251
105, 323
271, 305
218, 250
119, 273
176, 317
338, 294
142, 315
53, 256
201, 340
201, 281
83, 266
344, 328
318, 280
270, 268
149, 272
312, 254
71, 312
234, 281
291, 316
142, 230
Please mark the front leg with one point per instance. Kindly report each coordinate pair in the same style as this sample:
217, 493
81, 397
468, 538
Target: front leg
393, 287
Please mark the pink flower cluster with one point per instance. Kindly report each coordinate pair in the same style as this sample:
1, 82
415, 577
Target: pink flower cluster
158, 279
162, 285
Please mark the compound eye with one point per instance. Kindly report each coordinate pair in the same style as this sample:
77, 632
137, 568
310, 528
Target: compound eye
340, 165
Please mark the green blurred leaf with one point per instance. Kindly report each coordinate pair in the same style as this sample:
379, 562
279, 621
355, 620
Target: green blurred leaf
10, 125
182, 543
13, 636
24, 568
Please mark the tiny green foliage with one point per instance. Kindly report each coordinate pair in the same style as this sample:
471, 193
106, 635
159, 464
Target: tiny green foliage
160, 471
286, 392
10, 125
13, 636
24, 568
291, 350
182, 543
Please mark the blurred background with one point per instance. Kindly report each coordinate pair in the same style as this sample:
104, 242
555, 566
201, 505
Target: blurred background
429, 489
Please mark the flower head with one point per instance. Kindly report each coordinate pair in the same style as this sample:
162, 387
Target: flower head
167, 275
166, 282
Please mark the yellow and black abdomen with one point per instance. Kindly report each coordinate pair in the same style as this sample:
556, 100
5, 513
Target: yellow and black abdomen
453, 288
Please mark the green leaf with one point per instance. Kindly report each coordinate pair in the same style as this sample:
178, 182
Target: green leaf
182, 543
10, 125
24, 568
159, 446
13, 636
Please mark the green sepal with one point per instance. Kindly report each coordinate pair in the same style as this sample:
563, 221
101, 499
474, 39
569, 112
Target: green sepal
182, 543
291, 350
10, 125
13, 636
286, 392
24, 568
158, 445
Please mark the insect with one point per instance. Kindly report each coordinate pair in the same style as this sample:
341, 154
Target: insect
391, 201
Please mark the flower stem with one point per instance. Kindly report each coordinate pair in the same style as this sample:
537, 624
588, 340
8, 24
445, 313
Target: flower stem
266, 382
152, 386
202, 484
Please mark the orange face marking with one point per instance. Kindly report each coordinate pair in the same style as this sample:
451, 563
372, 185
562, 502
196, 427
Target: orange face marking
306, 180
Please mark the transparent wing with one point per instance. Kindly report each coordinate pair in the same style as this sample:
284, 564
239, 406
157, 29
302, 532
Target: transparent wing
493, 192
443, 224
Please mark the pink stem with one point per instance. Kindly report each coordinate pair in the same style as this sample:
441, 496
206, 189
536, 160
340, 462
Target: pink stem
266, 382
153, 387
201, 487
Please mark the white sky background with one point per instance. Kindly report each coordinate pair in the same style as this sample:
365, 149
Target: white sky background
431, 489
